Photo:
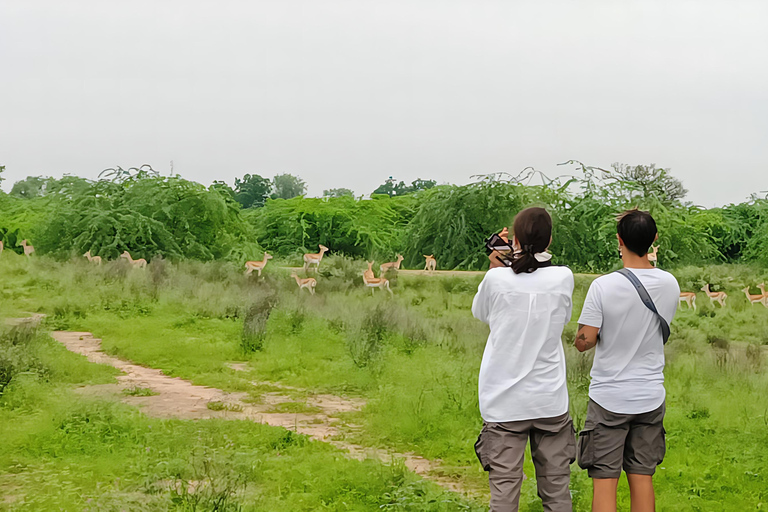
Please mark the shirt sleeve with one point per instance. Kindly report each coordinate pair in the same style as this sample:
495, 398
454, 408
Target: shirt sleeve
571, 285
481, 305
592, 312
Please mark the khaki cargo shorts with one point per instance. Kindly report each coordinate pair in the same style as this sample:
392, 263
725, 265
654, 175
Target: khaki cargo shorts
611, 442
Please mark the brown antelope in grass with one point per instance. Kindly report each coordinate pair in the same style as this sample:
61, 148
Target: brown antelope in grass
392, 264
373, 282
718, 297
258, 266
756, 299
689, 298
314, 259
308, 283
653, 256
93, 259
139, 263
762, 289
28, 249
431, 263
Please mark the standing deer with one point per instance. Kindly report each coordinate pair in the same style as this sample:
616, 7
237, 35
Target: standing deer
431, 263
718, 297
314, 259
392, 264
689, 298
258, 266
653, 256
308, 283
755, 299
139, 263
93, 259
28, 249
372, 282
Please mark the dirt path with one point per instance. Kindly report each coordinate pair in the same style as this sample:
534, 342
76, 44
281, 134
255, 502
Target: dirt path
178, 398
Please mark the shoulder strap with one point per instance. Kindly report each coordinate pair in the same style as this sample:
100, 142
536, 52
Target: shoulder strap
646, 298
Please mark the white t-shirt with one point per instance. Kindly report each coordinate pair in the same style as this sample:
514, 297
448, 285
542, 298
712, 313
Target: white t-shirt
522, 375
628, 371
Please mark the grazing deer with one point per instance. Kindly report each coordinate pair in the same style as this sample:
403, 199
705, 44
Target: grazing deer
28, 249
431, 263
258, 266
139, 263
762, 289
308, 283
93, 259
372, 282
718, 297
755, 299
689, 298
392, 264
314, 259
653, 256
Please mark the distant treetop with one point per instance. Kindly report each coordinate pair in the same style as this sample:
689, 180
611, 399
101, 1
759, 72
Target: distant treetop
392, 188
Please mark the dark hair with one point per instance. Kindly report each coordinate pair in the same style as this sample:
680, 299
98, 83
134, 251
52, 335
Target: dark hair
533, 230
638, 230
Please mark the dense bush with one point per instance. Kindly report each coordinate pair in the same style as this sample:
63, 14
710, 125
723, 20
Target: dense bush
149, 215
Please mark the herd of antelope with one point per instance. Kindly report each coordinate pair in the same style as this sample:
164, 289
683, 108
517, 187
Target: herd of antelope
719, 297
312, 263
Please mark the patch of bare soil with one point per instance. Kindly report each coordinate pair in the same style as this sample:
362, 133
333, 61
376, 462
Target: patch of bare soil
179, 398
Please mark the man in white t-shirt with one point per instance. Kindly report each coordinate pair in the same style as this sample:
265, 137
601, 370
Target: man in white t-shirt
624, 428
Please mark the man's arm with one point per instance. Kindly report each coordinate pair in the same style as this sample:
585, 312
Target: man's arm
587, 337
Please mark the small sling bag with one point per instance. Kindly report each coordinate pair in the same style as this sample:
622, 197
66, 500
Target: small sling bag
646, 298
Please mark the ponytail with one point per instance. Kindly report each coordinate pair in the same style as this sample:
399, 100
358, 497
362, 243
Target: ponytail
533, 230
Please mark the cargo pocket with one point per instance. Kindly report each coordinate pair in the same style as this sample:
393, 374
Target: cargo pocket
481, 449
586, 449
572, 445
662, 446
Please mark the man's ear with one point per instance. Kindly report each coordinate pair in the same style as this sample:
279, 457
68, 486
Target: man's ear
657, 237
621, 242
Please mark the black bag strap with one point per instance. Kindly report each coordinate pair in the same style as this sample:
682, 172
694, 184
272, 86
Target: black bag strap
647, 300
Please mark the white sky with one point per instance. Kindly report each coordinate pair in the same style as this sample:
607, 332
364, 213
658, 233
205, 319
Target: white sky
347, 93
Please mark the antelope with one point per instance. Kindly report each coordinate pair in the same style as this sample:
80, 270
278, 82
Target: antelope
308, 283
28, 249
314, 259
2, 247
718, 297
762, 289
372, 282
139, 263
258, 266
392, 264
689, 298
431, 263
755, 299
653, 256
93, 259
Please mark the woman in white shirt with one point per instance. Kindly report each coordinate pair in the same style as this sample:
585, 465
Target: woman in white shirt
522, 385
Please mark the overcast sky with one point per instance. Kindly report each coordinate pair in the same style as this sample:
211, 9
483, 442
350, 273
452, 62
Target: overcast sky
347, 93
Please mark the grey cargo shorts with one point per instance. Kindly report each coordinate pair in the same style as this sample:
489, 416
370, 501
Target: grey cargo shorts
611, 442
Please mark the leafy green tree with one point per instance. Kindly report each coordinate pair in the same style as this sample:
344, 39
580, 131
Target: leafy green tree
31, 186
2, 170
392, 188
223, 188
288, 186
338, 192
252, 190
648, 181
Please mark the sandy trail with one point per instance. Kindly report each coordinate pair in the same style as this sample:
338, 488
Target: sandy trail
178, 398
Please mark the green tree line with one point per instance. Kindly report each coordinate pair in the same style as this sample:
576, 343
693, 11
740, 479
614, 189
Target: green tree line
152, 215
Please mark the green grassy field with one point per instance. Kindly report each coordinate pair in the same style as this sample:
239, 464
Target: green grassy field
414, 359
